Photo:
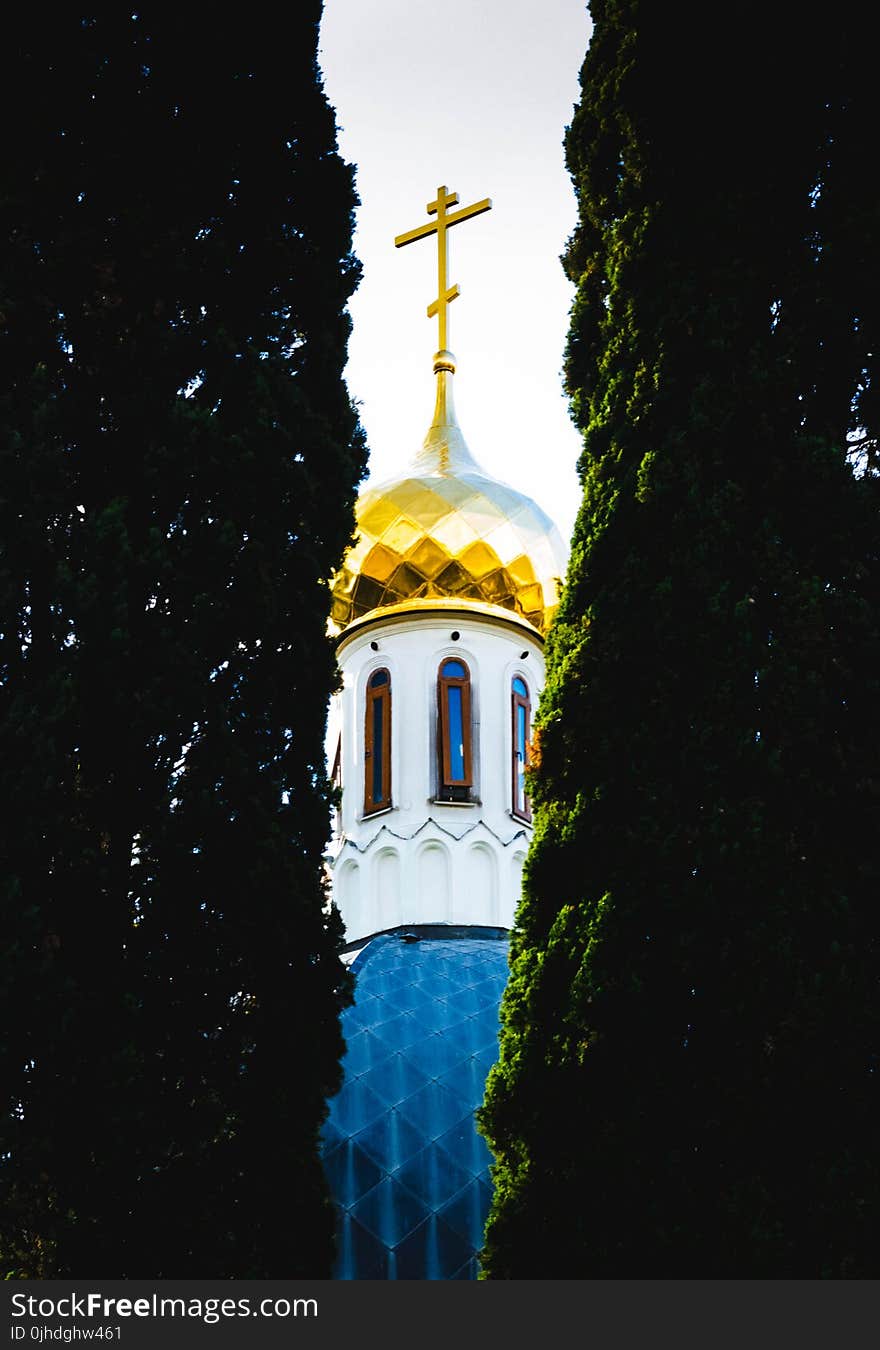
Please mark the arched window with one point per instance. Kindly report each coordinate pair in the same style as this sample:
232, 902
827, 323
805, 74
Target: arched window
521, 712
454, 741
377, 743
336, 781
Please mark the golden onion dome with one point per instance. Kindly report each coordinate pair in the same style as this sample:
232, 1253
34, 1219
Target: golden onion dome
445, 535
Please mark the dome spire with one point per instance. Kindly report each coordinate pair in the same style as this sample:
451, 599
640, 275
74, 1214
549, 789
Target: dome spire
444, 534
444, 449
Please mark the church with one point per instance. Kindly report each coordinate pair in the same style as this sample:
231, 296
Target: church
439, 610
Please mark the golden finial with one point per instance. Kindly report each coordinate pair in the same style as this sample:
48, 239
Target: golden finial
444, 359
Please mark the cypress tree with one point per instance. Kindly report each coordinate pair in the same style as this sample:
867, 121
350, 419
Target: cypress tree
688, 1082
178, 465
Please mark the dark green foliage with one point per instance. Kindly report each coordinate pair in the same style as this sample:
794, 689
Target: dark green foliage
688, 1083
178, 464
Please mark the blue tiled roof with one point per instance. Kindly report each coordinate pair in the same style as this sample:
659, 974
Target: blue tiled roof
406, 1166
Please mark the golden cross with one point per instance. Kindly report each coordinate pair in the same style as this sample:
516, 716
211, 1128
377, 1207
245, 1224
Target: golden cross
444, 222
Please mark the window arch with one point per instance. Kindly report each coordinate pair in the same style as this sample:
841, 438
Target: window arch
455, 757
377, 743
521, 730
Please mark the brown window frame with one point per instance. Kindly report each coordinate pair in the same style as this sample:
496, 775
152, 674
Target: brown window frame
517, 701
382, 694
456, 789
336, 783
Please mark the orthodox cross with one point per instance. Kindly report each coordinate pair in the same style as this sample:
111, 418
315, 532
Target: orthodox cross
444, 222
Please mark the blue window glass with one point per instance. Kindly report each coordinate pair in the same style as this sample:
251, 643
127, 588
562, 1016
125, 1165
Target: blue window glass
520, 731
520, 757
378, 747
456, 732
455, 670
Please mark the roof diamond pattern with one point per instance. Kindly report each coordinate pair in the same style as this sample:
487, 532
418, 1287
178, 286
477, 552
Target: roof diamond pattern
407, 1169
465, 536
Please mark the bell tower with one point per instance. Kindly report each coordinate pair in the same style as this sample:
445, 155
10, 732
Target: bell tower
440, 608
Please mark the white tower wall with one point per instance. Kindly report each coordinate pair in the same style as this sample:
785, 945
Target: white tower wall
421, 860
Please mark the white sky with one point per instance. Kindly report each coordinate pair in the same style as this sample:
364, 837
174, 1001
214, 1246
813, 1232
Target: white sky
476, 95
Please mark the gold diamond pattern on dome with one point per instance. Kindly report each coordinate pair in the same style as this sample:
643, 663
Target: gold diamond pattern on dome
455, 541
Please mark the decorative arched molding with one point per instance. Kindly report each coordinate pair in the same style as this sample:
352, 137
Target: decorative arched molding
387, 906
348, 898
477, 891
514, 892
432, 901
